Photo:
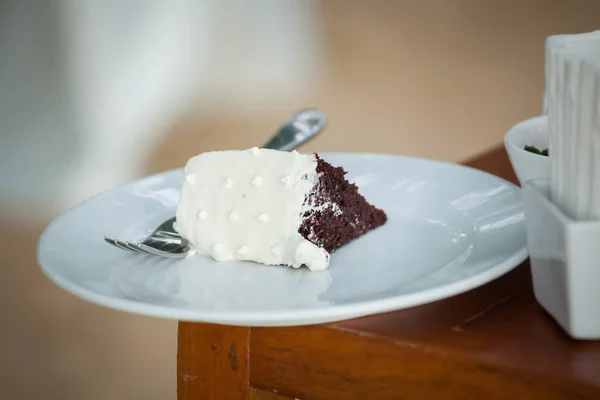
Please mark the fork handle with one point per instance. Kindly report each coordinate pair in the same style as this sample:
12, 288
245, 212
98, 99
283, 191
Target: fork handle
297, 130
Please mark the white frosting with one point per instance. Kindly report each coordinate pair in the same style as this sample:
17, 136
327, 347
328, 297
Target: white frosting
249, 206
227, 182
244, 250
190, 178
263, 218
257, 181
573, 84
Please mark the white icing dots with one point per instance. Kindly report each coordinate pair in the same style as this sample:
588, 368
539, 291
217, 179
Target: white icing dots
276, 251
233, 216
190, 178
255, 151
227, 183
257, 181
314, 257
220, 253
263, 217
202, 214
244, 250
191, 253
286, 180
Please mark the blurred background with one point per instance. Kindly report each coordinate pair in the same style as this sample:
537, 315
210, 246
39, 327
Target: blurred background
97, 93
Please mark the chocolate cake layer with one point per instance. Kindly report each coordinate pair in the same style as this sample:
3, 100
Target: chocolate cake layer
338, 212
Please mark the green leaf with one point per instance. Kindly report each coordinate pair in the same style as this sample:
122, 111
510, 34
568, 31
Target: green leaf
533, 149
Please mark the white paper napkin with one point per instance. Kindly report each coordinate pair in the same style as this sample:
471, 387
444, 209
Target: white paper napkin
573, 84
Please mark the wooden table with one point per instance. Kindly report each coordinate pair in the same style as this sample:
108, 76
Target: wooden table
494, 342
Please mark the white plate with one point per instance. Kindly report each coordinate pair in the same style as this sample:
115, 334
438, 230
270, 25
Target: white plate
450, 229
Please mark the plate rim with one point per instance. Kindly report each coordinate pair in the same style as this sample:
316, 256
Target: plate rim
306, 316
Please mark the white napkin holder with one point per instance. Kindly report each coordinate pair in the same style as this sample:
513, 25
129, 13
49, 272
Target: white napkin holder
565, 262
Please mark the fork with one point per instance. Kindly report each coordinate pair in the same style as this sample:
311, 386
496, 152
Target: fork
299, 128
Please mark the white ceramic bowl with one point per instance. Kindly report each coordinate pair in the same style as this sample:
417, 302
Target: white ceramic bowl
527, 165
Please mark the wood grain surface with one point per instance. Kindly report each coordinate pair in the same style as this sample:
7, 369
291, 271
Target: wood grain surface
212, 362
256, 394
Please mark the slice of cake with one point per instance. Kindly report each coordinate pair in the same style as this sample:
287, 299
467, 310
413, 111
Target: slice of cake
271, 207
